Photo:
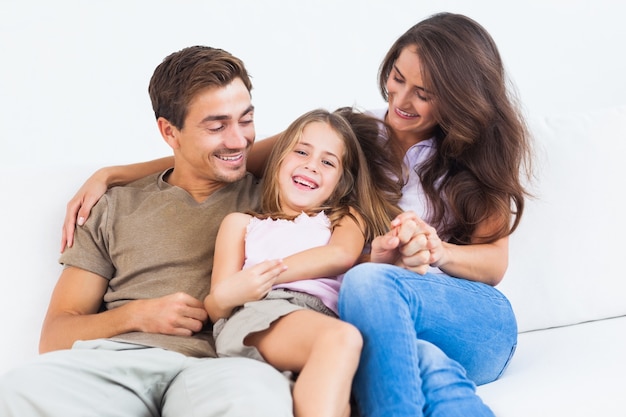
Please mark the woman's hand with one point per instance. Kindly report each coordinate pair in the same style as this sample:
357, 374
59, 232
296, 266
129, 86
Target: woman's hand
422, 243
79, 207
411, 243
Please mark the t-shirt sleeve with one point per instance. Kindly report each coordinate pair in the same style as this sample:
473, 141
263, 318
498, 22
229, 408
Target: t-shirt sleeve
91, 242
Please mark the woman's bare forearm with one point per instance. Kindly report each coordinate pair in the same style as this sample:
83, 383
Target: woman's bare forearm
259, 154
124, 174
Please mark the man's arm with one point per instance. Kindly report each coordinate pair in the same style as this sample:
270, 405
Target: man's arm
73, 313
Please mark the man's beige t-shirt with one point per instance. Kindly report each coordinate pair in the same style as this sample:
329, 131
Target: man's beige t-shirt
151, 239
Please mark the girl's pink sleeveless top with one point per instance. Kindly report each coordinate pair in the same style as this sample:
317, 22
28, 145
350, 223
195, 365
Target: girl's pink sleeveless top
277, 239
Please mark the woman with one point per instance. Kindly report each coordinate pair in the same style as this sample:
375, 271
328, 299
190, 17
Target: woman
463, 145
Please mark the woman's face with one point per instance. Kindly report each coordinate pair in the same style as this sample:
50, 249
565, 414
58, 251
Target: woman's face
410, 104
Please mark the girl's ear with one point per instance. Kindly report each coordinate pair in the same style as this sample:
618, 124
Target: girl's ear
169, 132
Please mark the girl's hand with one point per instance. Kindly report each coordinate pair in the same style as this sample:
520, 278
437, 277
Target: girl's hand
250, 284
421, 246
385, 248
79, 207
411, 243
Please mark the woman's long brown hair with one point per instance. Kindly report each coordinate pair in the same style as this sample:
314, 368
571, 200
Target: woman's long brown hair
483, 145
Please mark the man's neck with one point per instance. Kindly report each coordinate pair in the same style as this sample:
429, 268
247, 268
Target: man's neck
199, 189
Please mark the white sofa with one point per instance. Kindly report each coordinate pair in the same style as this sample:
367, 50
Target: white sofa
565, 279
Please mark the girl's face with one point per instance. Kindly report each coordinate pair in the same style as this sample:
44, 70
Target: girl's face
410, 105
309, 173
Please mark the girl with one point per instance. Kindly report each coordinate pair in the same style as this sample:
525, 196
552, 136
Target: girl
318, 209
433, 323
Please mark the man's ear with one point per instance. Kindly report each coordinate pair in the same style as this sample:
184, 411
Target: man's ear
169, 132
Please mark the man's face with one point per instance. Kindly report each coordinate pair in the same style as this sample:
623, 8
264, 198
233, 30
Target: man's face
218, 132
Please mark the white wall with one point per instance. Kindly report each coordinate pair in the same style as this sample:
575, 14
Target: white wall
74, 76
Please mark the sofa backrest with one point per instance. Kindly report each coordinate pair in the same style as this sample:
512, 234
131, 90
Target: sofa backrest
565, 259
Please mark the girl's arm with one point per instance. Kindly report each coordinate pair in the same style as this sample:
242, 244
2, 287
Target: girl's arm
340, 254
230, 285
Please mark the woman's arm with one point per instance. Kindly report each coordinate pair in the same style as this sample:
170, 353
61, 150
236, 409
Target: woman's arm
483, 262
478, 261
89, 193
418, 245
259, 154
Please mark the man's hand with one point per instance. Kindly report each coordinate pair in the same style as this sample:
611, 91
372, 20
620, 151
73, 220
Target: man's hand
176, 314
74, 313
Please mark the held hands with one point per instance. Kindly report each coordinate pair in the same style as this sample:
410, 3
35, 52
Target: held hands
411, 244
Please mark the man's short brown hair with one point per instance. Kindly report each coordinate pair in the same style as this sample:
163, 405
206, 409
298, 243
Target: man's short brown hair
183, 74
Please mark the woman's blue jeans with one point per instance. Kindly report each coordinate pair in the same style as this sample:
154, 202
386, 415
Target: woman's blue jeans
428, 339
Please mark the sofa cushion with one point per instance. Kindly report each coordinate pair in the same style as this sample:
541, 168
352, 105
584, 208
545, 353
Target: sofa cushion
573, 371
565, 257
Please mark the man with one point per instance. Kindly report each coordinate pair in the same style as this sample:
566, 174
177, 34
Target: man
126, 332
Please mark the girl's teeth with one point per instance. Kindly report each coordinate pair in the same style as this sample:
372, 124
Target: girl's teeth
302, 182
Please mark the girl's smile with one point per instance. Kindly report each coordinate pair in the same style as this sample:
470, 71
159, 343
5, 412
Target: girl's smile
310, 172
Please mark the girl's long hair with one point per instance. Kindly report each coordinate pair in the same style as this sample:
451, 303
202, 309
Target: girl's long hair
356, 189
